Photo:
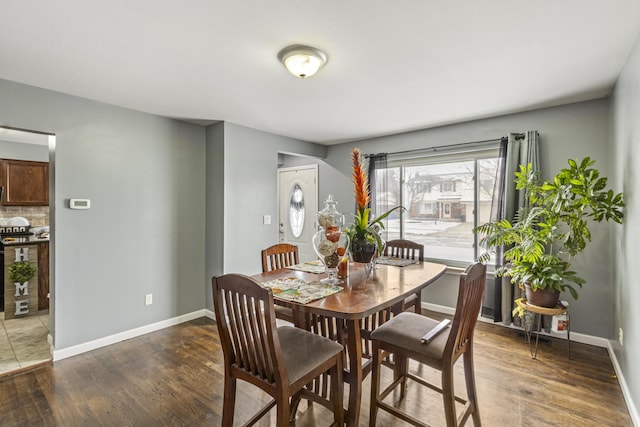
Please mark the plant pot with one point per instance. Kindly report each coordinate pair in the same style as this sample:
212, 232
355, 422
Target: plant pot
363, 251
542, 297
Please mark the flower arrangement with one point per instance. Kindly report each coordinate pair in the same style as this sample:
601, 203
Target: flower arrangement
363, 231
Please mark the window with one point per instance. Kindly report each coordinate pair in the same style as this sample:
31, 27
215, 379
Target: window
296, 211
448, 187
445, 196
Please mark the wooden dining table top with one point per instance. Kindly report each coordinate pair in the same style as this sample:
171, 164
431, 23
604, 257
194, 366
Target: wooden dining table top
363, 294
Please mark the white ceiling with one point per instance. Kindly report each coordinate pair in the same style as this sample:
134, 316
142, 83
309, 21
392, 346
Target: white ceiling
393, 65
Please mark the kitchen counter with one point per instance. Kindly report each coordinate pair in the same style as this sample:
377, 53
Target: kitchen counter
22, 240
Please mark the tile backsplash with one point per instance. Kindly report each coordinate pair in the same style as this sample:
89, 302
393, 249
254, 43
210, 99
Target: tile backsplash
38, 216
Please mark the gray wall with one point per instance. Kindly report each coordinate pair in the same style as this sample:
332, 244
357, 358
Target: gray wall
24, 151
143, 233
626, 239
241, 193
214, 228
571, 131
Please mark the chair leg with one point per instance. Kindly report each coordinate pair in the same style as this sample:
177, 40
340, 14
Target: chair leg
470, 381
229, 404
283, 410
337, 392
375, 385
400, 370
448, 396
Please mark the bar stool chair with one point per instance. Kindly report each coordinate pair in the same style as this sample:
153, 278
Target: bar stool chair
280, 361
407, 249
402, 336
278, 257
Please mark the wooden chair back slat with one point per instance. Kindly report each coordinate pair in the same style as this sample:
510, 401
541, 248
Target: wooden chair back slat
247, 332
405, 249
471, 289
279, 256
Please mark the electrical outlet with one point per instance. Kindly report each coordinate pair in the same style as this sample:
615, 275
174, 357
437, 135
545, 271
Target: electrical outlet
621, 336
148, 299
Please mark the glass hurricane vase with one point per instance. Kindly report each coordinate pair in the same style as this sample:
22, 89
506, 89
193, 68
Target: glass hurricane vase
330, 244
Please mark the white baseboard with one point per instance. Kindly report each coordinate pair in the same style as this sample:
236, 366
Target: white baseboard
575, 337
581, 338
59, 354
631, 406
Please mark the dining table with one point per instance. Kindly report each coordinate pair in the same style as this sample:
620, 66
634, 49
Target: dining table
365, 293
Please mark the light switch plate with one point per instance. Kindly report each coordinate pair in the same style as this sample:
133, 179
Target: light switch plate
266, 219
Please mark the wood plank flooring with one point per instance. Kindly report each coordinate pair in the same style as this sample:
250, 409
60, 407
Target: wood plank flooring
174, 377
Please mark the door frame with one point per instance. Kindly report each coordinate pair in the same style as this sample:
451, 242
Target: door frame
51, 145
313, 166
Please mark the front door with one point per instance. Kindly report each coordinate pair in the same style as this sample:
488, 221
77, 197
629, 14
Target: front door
297, 207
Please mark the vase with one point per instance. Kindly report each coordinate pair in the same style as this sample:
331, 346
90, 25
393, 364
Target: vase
363, 250
541, 297
330, 243
331, 247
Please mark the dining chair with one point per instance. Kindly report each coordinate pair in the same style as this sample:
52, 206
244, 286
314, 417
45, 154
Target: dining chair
280, 361
403, 336
278, 257
407, 249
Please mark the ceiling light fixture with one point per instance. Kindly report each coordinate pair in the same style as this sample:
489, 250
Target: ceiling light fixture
302, 61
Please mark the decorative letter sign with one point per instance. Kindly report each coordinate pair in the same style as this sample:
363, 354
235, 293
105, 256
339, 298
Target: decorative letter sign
23, 300
22, 307
24, 288
22, 254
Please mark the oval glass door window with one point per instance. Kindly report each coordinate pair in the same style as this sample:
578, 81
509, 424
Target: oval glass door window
296, 211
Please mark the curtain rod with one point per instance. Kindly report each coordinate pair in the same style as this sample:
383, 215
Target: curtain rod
441, 147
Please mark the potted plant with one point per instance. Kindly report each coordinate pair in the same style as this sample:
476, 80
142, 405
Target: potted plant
364, 234
541, 241
21, 272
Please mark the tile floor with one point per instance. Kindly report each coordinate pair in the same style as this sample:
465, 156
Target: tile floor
23, 341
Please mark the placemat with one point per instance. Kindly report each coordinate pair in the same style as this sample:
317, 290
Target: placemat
316, 267
300, 291
399, 262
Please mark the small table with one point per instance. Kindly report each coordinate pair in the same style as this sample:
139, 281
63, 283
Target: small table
538, 312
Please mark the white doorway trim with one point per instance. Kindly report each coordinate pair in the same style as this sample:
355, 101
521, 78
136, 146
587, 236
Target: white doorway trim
304, 243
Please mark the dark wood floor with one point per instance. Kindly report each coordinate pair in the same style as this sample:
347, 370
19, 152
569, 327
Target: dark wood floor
174, 377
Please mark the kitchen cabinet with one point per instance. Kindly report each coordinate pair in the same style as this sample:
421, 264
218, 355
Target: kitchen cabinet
25, 183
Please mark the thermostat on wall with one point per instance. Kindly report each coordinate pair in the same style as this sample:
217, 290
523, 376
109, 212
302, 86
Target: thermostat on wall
79, 203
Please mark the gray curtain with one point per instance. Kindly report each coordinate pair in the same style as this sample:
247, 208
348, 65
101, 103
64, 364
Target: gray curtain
378, 186
497, 213
521, 149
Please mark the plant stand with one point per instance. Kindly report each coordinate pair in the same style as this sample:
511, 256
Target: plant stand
537, 321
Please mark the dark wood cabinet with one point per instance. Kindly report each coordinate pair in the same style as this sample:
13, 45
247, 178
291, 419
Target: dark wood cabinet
43, 276
25, 183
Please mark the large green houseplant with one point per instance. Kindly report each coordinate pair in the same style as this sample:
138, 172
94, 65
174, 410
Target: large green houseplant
541, 241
